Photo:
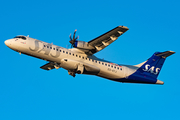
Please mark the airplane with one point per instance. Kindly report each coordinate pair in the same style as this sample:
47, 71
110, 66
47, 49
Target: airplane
81, 59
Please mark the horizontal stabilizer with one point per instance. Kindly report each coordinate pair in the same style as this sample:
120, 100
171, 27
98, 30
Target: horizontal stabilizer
165, 54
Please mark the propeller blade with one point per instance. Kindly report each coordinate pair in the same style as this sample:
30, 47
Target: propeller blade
77, 38
74, 34
73, 40
70, 37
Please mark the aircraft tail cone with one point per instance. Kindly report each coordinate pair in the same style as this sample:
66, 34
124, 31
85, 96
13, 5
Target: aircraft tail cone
159, 82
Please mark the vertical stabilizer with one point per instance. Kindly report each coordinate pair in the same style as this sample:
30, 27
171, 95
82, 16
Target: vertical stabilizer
153, 65
150, 69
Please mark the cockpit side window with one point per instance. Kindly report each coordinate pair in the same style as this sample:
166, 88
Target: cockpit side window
22, 37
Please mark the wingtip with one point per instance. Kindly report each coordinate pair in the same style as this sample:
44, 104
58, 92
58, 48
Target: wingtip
122, 26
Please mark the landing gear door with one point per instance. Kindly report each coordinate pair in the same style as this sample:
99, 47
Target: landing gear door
80, 68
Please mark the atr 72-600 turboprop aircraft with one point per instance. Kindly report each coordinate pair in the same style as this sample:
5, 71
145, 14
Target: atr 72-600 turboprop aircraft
81, 60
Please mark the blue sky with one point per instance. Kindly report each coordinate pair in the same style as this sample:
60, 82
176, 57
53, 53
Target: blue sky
27, 92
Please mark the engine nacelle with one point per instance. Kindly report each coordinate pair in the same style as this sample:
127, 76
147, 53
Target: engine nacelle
83, 45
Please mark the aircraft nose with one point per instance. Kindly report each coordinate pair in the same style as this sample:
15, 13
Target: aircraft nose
7, 42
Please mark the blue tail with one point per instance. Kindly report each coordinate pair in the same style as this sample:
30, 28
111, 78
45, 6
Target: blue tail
153, 65
150, 69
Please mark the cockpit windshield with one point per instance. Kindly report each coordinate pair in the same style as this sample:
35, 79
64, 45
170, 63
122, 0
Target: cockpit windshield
22, 37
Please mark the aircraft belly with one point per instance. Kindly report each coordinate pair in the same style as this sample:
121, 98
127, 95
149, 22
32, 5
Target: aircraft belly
91, 69
110, 74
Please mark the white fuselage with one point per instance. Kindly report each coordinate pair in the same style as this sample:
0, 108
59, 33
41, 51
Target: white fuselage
56, 54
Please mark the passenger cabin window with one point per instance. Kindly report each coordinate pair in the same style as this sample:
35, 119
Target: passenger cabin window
22, 37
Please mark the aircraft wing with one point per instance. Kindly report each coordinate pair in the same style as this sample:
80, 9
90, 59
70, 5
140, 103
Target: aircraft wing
106, 39
48, 66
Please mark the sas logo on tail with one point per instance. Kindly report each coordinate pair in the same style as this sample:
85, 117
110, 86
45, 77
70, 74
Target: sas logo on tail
152, 69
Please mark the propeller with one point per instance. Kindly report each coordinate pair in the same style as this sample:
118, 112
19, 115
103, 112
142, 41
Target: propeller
73, 40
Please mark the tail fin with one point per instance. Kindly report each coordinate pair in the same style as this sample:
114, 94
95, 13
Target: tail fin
153, 65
